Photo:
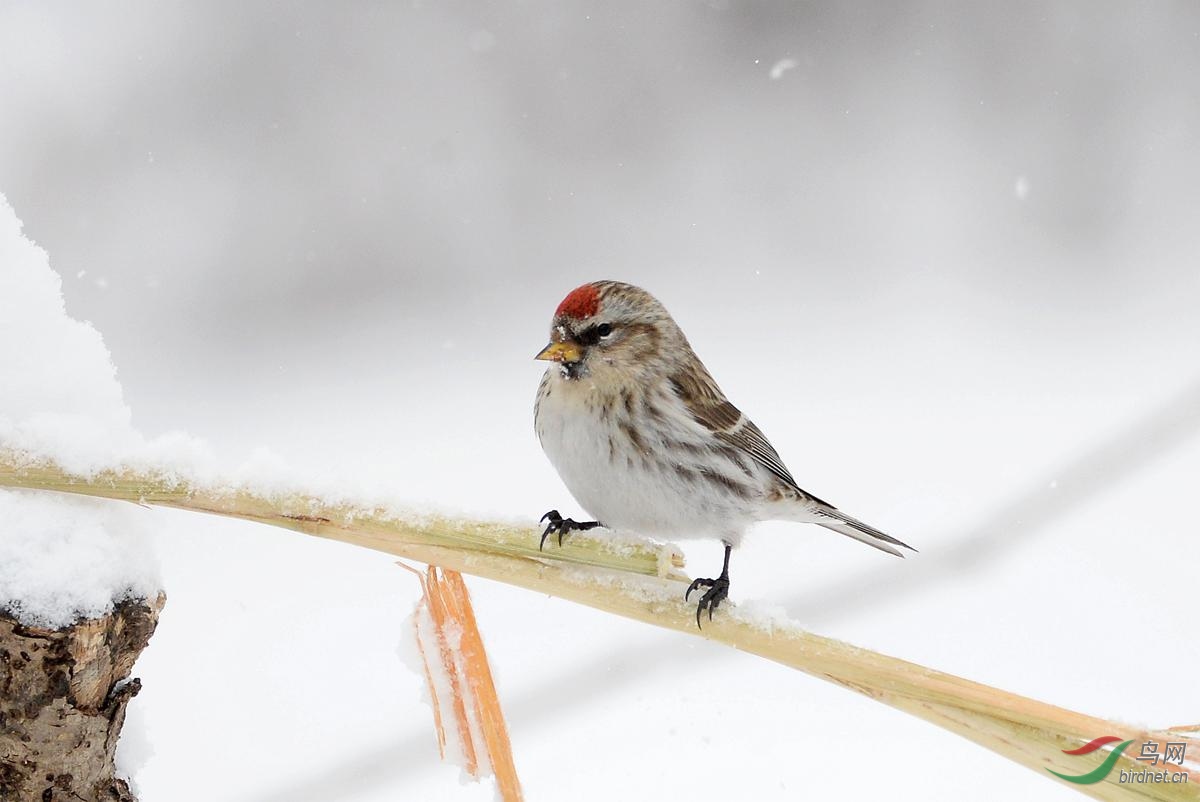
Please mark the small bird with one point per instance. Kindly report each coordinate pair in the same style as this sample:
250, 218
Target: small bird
646, 441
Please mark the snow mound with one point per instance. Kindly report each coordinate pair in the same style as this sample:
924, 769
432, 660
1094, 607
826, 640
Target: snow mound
61, 557
64, 558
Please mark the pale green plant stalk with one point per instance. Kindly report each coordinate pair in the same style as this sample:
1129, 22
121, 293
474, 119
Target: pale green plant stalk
643, 583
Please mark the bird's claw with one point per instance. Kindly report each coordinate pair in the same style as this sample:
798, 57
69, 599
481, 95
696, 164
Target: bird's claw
562, 526
718, 591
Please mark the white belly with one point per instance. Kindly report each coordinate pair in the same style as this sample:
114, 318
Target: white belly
650, 490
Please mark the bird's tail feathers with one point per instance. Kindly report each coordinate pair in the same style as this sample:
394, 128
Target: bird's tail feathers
838, 521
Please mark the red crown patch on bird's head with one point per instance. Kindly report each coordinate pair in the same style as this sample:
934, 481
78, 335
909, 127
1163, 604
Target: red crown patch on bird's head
580, 303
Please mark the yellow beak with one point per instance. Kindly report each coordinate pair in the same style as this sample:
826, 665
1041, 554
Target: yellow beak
560, 352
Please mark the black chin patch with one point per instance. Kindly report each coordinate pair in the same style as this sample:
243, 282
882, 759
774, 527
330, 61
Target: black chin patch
572, 370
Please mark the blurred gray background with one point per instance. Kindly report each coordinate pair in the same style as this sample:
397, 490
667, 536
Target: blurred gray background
221, 182
947, 255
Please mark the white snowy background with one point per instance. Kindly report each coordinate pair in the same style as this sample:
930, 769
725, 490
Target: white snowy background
946, 256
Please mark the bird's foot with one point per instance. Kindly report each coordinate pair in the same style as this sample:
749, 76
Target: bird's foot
563, 526
718, 591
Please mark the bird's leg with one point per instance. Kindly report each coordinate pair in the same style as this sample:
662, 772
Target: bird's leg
718, 589
562, 526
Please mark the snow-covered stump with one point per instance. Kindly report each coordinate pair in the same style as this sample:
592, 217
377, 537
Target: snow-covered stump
63, 694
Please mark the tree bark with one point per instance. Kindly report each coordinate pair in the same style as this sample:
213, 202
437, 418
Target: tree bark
63, 694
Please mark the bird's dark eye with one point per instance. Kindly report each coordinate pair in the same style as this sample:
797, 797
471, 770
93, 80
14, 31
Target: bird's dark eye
592, 335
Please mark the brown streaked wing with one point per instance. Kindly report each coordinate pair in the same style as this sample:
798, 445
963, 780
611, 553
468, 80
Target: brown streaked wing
711, 409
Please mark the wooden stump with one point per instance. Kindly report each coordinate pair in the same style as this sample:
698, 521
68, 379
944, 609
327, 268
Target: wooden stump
62, 704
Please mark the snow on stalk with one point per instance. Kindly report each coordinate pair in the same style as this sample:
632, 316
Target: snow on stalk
375, 527
460, 679
641, 582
